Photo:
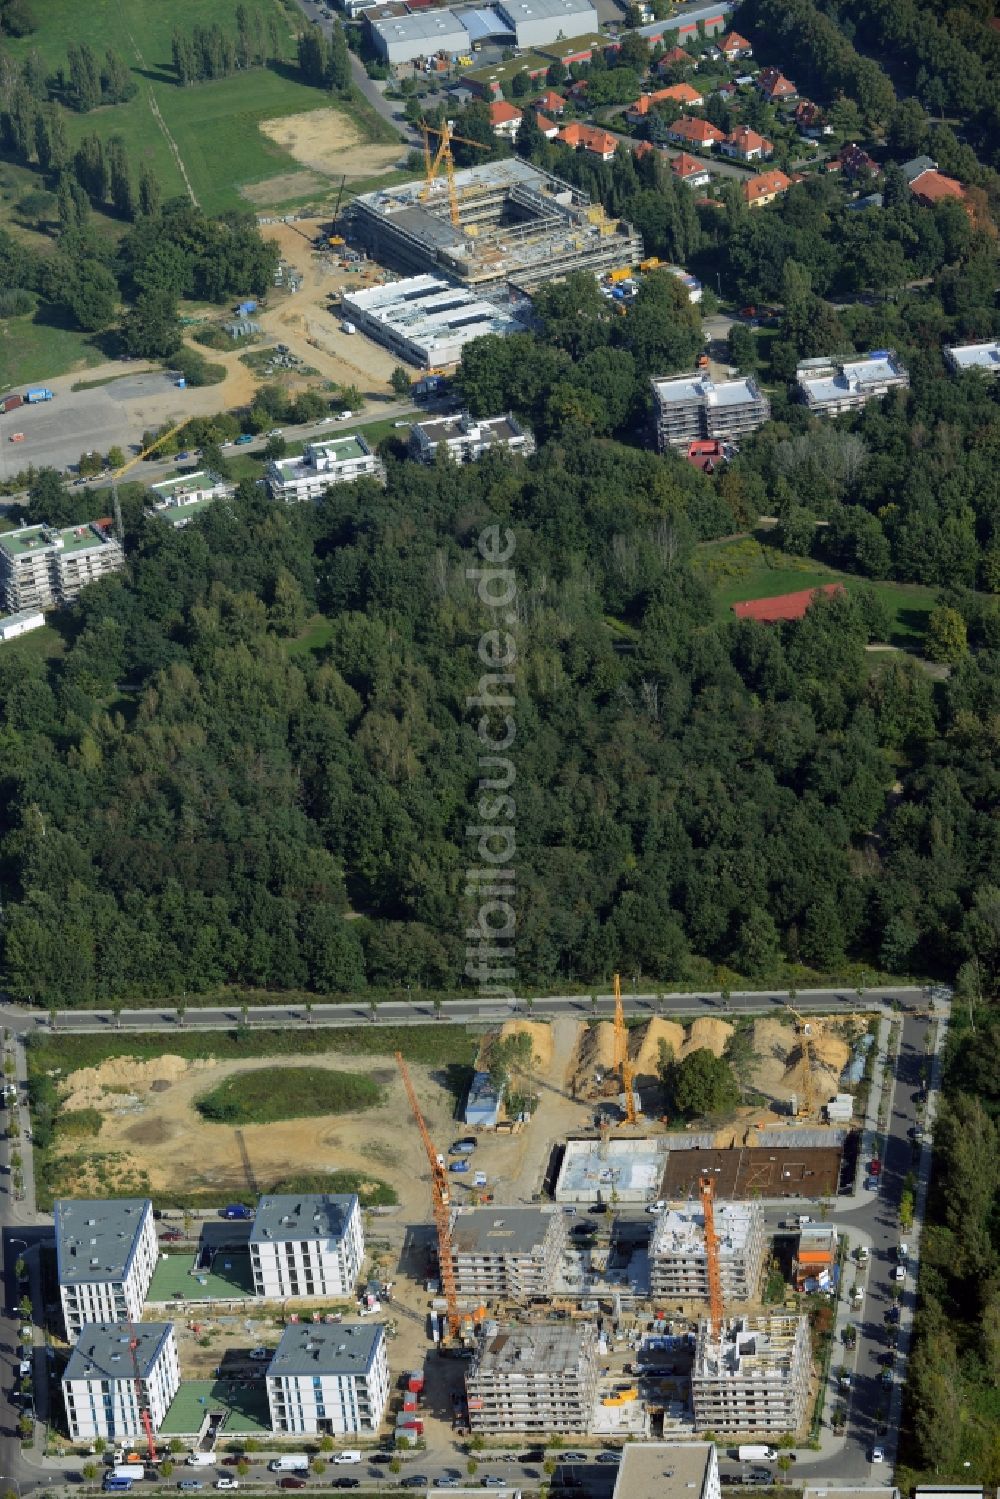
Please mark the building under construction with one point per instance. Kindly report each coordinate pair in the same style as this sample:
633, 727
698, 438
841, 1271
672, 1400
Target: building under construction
541, 1378
517, 226
752, 1375
507, 1254
678, 1264
779, 1163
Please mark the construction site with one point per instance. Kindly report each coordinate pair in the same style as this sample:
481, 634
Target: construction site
502, 225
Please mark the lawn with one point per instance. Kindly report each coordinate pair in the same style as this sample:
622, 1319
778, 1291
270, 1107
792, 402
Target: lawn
214, 125
745, 569
230, 1278
317, 635
244, 1400
266, 1096
45, 644
35, 348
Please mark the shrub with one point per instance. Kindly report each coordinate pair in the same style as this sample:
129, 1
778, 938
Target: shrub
16, 302
75, 1123
195, 368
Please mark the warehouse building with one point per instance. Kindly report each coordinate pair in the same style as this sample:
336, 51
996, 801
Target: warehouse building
830, 386
425, 320
113, 1374
306, 1245
41, 567
329, 1379
753, 1376
537, 22
464, 439
519, 227
106, 1253
179, 500
668, 1470
507, 1254
678, 1268
985, 356
336, 460
405, 38
540, 1378
695, 406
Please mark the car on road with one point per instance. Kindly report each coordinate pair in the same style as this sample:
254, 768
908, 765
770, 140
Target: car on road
871, 1183
491, 1481
446, 1482
291, 1483
415, 1481
536, 1455
576, 1457
598, 1208
899, 1273
886, 1376
608, 1457
344, 416
878, 1454
347, 1483
227, 1483
190, 1485
892, 1315
17, 437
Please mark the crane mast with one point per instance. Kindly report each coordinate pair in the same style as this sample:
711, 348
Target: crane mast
805, 1040
440, 1200
622, 1061
141, 1397
706, 1187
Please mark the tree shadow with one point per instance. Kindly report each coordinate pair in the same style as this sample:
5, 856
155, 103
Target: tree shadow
157, 75
910, 627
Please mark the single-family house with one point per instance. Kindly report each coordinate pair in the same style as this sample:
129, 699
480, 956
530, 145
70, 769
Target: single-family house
708, 453
735, 47
745, 144
934, 187
690, 170
854, 160
550, 103
547, 127
764, 188
810, 120
675, 57
505, 119
679, 93
913, 169
699, 135
774, 86
589, 138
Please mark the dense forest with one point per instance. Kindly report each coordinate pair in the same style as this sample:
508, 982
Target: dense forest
194, 797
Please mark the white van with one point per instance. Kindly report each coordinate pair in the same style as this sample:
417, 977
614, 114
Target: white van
201, 1459
347, 1456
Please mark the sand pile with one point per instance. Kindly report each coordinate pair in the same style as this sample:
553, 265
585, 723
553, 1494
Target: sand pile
596, 1053
644, 1044
706, 1032
541, 1039
103, 1087
781, 1066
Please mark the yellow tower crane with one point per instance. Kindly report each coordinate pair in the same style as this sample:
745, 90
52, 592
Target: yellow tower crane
805, 1026
443, 156
120, 473
623, 1063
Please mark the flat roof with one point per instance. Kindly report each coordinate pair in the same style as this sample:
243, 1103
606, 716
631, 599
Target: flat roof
21, 617
484, 22
326, 1348
680, 1229
95, 1237
664, 1470
428, 311
500, 1230
179, 514
602, 1168
976, 356
103, 1350
430, 26
298, 1216
201, 479
24, 540
544, 10
683, 388
835, 378
787, 1170
542, 1348
501, 428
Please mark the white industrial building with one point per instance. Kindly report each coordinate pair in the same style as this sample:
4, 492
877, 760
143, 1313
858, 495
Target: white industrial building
41, 567
507, 1254
752, 1377
678, 1266
13, 625
668, 1470
537, 1378
179, 500
106, 1253
329, 1379
465, 439
402, 39
425, 320
830, 386
688, 407
114, 1374
335, 460
537, 22
306, 1245
986, 357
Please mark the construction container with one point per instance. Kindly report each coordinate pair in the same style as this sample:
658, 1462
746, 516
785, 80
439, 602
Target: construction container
621, 274
11, 403
415, 1381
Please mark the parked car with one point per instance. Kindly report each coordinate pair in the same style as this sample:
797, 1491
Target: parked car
536, 1455
227, 1483
576, 1457
608, 1457
491, 1481
878, 1454
446, 1482
415, 1481
260, 1354
190, 1485
347, 1483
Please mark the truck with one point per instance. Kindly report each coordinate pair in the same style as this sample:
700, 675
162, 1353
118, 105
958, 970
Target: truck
129, 1470
38, 393
349, 1455
756, 1452
236, 1210
292, 1462
243, 308
201, 1460
11, 403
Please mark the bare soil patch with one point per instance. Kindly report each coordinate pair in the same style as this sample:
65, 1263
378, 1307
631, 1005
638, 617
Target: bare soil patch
327, 140
284, 188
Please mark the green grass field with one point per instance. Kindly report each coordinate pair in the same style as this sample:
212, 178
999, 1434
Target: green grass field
253, 1098
245, 1400
742, 570
214, 125
175, 1278
33, 348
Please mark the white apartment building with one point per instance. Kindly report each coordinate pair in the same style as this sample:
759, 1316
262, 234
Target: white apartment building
41, 567
306, 1245
668, 1470
687, 407
179, 500
507, 1254
830, 386
465, 439
336, 460
329, 1379
985, 357
99, 1386
678, 1267
106, 1253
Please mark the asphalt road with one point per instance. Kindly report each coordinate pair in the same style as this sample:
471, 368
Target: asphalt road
419, 1010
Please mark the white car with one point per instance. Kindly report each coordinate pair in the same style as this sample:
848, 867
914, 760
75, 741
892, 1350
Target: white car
344, 416
657, 1206
899, 1273
227, 1483
878, 1454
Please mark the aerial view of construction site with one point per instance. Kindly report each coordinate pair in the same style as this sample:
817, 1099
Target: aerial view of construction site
542, 1254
